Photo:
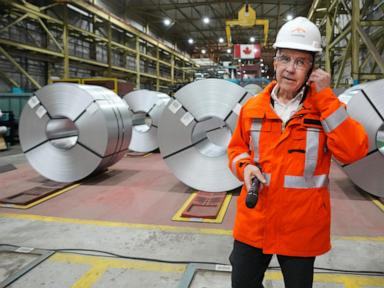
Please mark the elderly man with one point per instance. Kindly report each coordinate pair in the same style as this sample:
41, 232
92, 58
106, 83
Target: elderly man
285, 137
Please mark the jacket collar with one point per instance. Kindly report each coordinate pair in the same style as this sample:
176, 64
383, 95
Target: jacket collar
259, 106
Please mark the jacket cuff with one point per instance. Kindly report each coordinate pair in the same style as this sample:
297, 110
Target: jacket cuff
240, 169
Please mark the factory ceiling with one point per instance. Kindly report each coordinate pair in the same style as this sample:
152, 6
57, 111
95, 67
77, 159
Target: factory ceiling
186, 20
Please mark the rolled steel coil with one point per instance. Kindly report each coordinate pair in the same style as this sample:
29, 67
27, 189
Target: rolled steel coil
146, 107
194, 132
365, 103
253, 89
69, 131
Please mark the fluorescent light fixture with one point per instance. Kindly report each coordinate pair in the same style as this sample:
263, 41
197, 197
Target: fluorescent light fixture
206, 20
229, 50
203, 51
221, 40
252, 39
167, 21
190, 41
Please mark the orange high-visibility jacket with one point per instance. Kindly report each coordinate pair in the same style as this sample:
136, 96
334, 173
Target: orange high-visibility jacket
292, 215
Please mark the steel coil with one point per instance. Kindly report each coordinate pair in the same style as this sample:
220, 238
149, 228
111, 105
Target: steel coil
366, 104
195, 130
69, 131
146, 106
253, 89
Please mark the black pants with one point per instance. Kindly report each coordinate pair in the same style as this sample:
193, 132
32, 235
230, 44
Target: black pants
249, 265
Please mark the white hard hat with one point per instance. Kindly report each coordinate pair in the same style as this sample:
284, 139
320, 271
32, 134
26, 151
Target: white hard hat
299, 34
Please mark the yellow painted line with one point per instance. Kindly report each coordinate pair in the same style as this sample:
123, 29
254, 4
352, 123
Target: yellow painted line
359, 238
148, 154
118, 263
348, 281
377, 203
91, 277
61, 191
100, 264
165, 228
219, 218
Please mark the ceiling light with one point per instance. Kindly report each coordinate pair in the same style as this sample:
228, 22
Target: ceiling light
252, 39
206, 20
221, 40
289, 17
203, 51
190, 41
229, 51
167, 21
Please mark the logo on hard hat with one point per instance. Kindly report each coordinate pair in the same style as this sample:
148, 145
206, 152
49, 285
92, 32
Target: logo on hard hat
298, 31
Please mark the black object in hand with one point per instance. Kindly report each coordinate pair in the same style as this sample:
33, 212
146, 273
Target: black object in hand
253, 193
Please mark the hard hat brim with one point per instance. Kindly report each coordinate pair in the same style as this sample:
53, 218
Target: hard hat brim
296, 46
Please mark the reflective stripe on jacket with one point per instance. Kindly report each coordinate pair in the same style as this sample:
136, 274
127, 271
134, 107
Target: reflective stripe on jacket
292, 216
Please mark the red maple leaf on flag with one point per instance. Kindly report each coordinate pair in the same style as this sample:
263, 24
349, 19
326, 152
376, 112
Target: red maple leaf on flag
247, 50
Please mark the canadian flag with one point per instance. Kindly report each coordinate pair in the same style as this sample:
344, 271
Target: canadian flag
247, 51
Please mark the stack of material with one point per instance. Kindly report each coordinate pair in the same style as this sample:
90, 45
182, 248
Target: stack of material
147, 107
195, 130
68, 131
366, 104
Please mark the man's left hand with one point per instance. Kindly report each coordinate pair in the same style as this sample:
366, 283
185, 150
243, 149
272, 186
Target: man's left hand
321, 79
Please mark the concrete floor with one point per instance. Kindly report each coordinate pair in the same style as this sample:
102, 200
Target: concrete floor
125, 213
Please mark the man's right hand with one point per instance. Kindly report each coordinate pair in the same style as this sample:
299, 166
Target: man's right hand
251, 171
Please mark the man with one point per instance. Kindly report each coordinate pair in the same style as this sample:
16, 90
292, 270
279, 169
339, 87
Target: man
285, 137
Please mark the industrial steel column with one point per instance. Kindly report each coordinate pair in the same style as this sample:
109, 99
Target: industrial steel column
137, 62
65, 43
328, 39
172, 69
157, 69
355, 41
109, 47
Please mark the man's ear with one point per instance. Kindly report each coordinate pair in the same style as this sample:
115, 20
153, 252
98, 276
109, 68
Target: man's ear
274, 64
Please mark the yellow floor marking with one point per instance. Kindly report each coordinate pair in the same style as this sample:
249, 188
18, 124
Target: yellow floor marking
61, 191
220, 215
359, 238
99, 265
210, 231
91, 277
148, 154
348, 281
108, 262
166, 228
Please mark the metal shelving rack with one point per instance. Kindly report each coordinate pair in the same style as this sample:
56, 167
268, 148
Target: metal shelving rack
76, 39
